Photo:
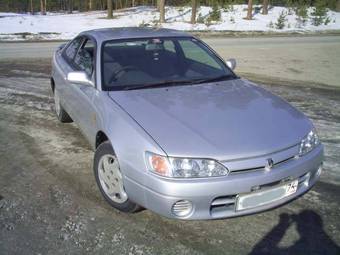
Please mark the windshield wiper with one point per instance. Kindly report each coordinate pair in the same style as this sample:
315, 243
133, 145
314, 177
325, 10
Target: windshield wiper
162, 84
179, 82
218, 78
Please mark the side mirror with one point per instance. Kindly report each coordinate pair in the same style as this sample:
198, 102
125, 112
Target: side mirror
231, 63
79, 78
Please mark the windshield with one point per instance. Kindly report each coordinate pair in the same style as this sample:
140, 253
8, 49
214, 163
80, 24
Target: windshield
141, 63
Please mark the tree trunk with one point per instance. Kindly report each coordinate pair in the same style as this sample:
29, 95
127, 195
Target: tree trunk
109, 9
250, 10
265, 7
45, 6
90, 5
193, 11
337, 8
70, 6
42, 7
31, 7
161, 11
133, 3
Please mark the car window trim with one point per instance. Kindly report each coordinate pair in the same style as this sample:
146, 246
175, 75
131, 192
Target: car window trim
94, 70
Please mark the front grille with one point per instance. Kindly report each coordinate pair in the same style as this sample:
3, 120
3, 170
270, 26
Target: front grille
261, 168
247, 170
259, 163
222, 205
284, 161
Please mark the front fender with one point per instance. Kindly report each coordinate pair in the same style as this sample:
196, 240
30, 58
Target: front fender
128, 139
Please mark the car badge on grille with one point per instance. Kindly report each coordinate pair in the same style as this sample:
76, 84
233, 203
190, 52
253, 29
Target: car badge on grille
269, 164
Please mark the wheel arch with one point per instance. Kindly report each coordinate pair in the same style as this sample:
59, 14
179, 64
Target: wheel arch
100, 138
52, 84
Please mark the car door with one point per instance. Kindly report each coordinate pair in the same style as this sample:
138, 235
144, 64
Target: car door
63, 66
81, 96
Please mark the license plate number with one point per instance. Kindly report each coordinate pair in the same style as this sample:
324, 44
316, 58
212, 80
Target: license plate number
267, 196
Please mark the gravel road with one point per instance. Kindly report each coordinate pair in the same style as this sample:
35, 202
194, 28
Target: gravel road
49, 202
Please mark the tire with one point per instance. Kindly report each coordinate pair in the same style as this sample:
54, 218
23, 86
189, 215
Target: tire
110, 179
62, 115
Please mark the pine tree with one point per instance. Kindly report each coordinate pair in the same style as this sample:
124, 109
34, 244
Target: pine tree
250, 10
280, 23
109, 9
194, 11
162, 11
319, 14
265, 7
32, 9
42, 7
337, 8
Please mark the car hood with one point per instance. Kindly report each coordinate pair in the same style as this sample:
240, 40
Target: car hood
225, 120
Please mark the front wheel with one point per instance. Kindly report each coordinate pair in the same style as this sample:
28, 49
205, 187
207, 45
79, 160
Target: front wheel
109, 179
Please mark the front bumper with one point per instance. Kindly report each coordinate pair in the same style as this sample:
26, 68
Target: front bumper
214, 198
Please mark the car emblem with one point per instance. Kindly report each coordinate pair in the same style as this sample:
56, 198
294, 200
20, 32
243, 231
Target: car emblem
269, 164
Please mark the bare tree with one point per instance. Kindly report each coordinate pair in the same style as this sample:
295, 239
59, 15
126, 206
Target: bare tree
120, 4
194, 4
161, 11
265, 7
109, 9
32, 9
90, 5
70, 6
42, 7
250, 10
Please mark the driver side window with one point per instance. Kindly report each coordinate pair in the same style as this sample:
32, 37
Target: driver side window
84, 60
72, 49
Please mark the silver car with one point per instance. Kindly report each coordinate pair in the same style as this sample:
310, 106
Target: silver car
176, 131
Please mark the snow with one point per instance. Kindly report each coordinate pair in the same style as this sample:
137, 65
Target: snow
66, 26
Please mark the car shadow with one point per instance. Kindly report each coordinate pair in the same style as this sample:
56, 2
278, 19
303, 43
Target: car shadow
313, 239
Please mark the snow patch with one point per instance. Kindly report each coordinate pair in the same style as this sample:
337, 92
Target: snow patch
55, 26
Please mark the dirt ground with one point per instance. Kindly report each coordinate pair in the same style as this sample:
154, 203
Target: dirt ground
49, 202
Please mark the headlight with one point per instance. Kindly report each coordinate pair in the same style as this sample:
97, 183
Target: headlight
309, 142
184, 167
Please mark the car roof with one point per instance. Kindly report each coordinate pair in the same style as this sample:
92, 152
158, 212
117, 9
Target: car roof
106, 34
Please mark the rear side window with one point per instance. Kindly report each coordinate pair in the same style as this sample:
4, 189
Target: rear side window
72, 49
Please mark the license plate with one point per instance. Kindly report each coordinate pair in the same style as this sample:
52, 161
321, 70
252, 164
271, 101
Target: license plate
267, 196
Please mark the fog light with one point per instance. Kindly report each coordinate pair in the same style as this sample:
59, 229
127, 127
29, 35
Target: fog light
182, 208
306, 182
318, 173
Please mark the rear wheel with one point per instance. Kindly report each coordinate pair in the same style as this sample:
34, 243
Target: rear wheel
109, 179
62, 115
